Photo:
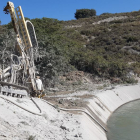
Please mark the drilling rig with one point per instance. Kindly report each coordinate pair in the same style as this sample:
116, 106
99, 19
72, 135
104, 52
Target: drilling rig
18, 79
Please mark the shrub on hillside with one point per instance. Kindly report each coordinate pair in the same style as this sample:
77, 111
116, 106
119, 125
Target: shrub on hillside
84, 13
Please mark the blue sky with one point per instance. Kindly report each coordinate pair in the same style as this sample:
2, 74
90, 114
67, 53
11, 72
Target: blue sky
65, 9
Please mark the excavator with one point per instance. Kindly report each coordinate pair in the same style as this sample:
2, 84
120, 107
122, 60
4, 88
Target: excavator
18, 79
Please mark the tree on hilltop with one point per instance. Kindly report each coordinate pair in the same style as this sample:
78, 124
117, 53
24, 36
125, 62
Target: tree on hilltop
85, 13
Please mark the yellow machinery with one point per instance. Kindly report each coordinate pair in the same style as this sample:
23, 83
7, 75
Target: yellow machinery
21, 73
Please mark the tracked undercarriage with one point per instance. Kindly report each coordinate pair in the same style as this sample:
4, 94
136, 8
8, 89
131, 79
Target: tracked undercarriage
18, 79
13, 90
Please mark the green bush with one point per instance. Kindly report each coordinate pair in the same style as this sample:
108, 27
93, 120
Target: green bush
131, 81
84, 13
131, 38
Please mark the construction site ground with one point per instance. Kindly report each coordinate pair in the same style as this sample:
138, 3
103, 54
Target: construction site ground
76, 89
18, 124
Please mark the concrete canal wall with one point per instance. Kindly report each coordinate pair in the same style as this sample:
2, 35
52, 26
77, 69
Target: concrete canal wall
102, 105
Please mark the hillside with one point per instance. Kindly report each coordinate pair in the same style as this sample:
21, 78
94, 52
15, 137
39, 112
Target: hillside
104, 47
